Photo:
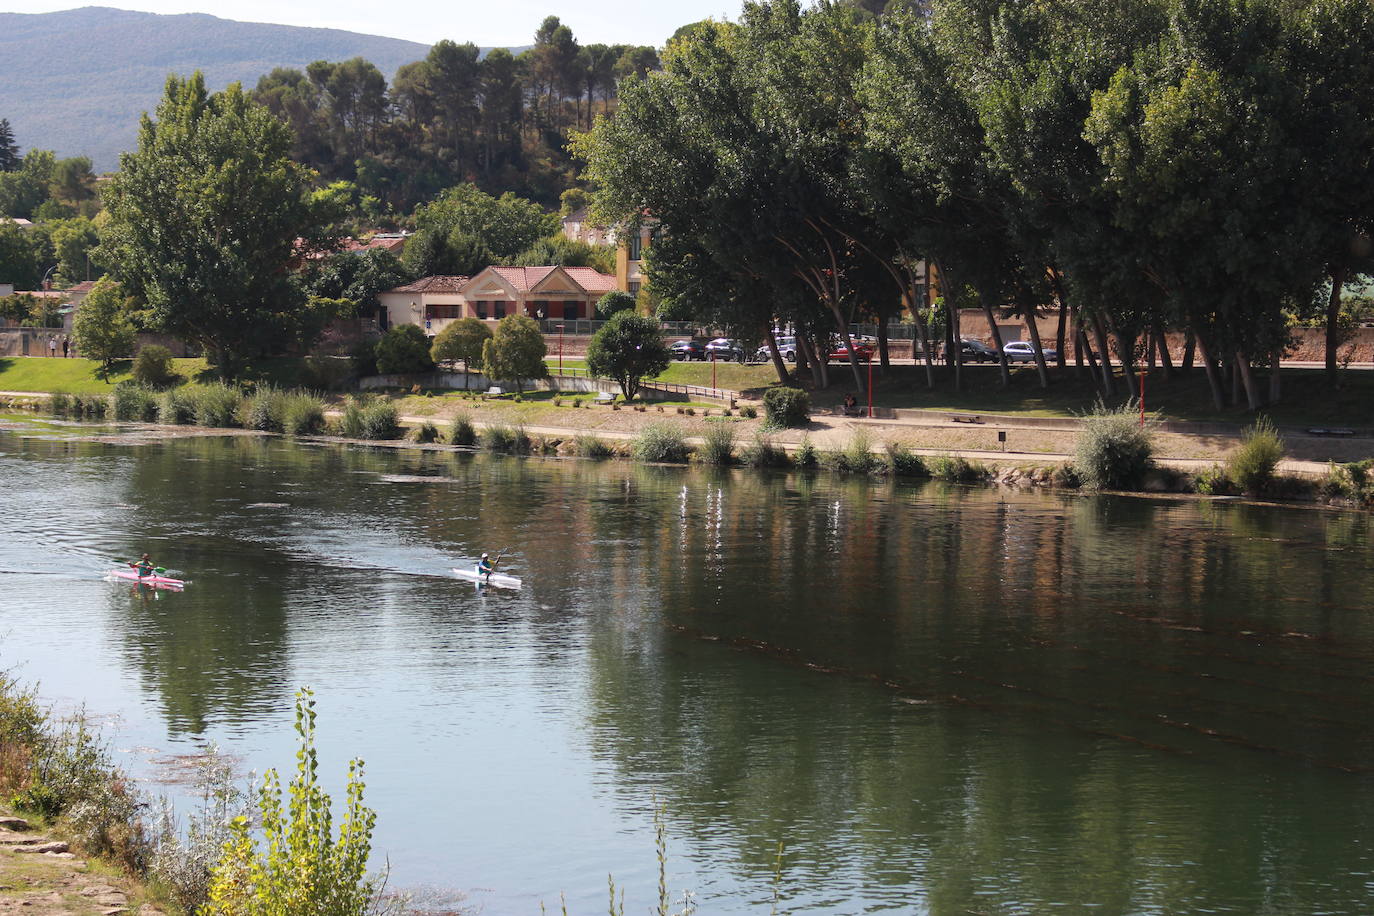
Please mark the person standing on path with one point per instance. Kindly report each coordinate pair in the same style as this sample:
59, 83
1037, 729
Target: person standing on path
65, 346
52, 345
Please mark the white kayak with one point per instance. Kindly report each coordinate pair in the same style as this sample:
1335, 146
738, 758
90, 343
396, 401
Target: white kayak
496, 579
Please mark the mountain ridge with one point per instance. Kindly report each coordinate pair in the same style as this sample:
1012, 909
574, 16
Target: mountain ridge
76, 81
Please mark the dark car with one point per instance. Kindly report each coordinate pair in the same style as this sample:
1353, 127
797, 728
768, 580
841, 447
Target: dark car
1021, 351
725, 348
688, 349
975, 351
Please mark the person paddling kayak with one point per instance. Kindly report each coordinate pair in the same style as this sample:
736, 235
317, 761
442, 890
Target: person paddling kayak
144, 567
486, 566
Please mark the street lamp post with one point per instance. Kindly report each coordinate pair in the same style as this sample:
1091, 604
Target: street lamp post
870, 386
560, 349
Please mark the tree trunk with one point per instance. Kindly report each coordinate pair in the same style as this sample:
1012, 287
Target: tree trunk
1028, 315
1235, 382
953, 333
883, 360
1058, 282
1209, 365
996, 338
1162, 341
1252, 396
1275, 379
1125, 345
1104, 352
909, 294
1333, 323
1189, 345
779, 364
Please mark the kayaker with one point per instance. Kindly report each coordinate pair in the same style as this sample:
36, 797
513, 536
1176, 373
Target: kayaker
144, 567
485, 567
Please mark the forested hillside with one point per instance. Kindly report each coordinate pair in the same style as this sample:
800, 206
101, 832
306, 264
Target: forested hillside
77, 81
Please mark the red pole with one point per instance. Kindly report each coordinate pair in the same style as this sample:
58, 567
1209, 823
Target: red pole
713, 368
870, 386
1142, 397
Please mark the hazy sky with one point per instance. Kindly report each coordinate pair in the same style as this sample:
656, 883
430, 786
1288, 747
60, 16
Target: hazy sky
483, 22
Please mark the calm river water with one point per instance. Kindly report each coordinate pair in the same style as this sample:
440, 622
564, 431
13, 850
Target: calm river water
941, 700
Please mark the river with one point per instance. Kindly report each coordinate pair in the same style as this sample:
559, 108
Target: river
939, 699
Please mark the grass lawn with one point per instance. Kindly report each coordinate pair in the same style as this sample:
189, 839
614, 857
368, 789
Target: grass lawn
732, 376
1307, 400
82, 376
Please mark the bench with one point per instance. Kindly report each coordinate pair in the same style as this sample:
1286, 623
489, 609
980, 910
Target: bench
965, 418
604, 397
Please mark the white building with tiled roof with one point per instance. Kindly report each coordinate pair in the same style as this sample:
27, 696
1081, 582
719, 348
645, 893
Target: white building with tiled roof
430, 302
536, 292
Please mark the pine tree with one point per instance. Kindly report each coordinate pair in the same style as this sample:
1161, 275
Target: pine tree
10, 160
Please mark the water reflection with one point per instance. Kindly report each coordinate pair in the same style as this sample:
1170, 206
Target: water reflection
942, 699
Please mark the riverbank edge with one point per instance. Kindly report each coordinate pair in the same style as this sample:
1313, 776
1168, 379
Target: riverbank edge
1297, 484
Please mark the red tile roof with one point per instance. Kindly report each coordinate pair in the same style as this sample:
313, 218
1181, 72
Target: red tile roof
590, 279
523, 278
432, 285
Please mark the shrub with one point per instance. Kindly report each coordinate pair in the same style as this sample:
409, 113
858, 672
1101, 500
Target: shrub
303, 414
264, 410
216, 404
378, 421
1113, 450
762, 453
153, 367
426, 432
91, 405
462, 432
501, 438
1211, 481
787, 406
660, 442
183, 861
749, 412
856, 457
326, 373
175, 407
956, 469
719, 447
590, 446
135, 403
902, 462
302, 867
1066, 475
363, 358
60, 403
403, 350
807, 456
1251, 467
351, 423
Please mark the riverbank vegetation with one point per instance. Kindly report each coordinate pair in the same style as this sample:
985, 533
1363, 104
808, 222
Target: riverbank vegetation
58, 770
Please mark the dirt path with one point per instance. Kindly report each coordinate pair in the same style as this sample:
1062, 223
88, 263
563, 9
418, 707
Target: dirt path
39, 876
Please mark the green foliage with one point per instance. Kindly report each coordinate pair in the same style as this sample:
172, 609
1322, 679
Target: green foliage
153, 367
301, 868
426, 433
956, 469
302, 415
1113, 450
369, 419
856, 457
807, 456
203, 221
761, 452
505, 225
613, 303
661, 442
749, 412
183, 860
1065, 475
462, 339
787, 407
103, 329
1251, 466
515, 352
134, 403
19, 258
404, 350
561, 251
264, 409
719, 445
628, 348
355, 276
176, 407
462, 432
902, 462
501, 438
592, 446
1212, 481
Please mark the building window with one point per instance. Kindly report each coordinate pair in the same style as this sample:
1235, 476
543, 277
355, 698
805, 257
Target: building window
634, 288
443, 311
572, 310
499, 309
481, 308
636, 246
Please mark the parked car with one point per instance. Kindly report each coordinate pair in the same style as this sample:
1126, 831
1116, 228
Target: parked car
863, 352
1021, 351
787, 347
975, 351
725, 348
688, 350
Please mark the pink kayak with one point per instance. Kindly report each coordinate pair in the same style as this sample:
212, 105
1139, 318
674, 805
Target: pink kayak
154, 580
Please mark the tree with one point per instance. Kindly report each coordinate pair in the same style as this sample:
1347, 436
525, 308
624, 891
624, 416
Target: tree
19, 262
9, 150
506, 225
457, 253
561, 251
25, 189
462, 339
613, 302
515, 352
357, 276
404, 350
204, 219
73, 242
628, 348
102, 327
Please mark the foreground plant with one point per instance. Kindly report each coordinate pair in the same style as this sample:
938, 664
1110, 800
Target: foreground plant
302, 869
